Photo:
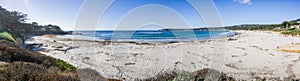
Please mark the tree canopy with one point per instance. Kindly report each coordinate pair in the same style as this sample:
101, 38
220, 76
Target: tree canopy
15, 22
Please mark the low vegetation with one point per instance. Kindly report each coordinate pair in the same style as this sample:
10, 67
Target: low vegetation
27, 65
291, 31
11, 53
7, 36
200, 75
65, 66
253, 27
286, 27
24, 71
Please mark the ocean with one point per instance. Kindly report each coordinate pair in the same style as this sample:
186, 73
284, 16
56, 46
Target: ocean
149, 35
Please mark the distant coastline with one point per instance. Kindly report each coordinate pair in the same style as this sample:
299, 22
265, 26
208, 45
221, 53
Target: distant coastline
178, 35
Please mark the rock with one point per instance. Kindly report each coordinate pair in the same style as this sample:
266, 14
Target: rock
20, 43
87, 74
231, 66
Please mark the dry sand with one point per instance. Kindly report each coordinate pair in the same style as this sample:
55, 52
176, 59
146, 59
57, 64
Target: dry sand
253, 54
294, 47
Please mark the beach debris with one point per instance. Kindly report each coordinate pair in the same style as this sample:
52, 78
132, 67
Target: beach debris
129, 64
245, 54
70, 48
231, 65
177, 63
241, 48
257, 47
234, 56
86, 58
135, 54
266, 49
59, 47
100, 51
231, 39
106, 53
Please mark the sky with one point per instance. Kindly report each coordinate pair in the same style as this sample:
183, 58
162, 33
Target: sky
142, 13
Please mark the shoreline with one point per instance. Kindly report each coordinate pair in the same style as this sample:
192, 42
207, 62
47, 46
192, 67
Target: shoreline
150, 36
129, 60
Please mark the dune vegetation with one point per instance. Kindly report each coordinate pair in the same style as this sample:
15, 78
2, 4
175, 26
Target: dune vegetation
285, 28
25, 65
7, 36
291, 31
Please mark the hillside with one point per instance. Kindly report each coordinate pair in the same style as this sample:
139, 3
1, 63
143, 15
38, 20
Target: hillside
25, 65
19, 64
15, 23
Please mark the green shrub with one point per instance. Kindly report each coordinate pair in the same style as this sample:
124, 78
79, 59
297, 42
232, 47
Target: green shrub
286, 32
291, 29
11, 53
65, 66
7, 36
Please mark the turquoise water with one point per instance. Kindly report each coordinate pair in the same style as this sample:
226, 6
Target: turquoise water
152, 35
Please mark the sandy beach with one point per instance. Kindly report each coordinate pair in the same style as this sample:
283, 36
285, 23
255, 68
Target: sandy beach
252, 54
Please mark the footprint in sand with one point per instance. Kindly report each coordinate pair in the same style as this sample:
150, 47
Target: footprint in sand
290, 68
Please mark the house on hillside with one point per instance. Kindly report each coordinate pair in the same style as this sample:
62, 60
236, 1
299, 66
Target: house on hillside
296, 25
298, 21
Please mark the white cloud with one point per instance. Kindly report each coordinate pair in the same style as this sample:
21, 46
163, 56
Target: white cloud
244, 1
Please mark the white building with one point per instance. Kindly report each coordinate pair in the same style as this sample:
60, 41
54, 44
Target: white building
298, 21
296, 25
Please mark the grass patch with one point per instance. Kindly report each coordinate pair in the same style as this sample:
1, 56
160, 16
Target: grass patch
64, 66
291, 31
11, 53
27, 65
7, 36
24, 71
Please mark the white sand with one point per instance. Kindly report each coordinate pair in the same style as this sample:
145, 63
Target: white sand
253, 54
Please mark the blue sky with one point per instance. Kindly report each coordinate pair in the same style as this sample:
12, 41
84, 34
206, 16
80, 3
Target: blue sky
65, 12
